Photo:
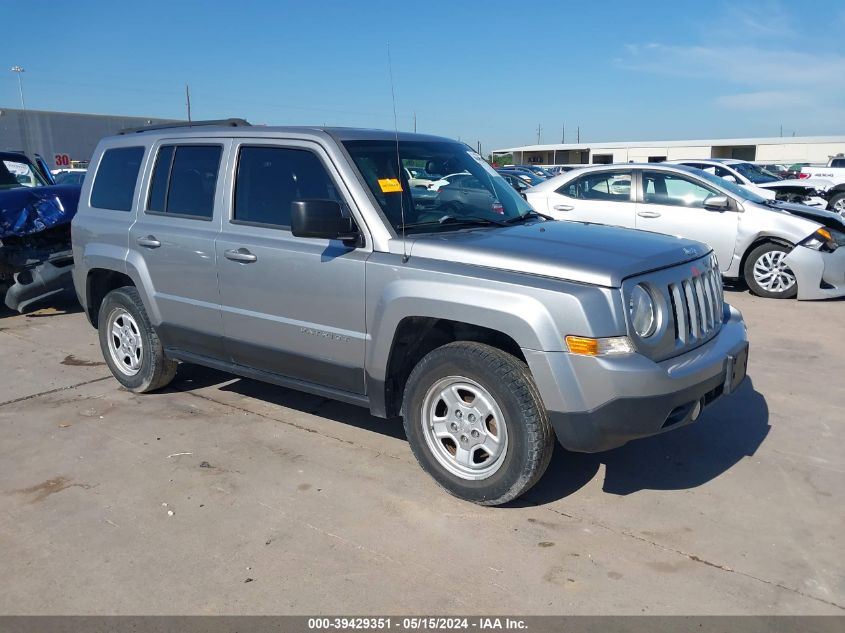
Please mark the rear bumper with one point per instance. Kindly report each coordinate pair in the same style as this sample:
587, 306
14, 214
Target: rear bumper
599, 403
819, 275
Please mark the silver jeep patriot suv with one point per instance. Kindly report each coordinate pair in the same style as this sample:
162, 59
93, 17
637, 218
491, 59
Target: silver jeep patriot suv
304, 257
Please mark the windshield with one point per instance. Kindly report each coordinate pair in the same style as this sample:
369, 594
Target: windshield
478, 195
14, 174
737, 190
754, 173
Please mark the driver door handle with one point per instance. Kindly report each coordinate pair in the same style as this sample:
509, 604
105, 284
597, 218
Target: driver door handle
648, 214
240, 255
563, 207
148, 242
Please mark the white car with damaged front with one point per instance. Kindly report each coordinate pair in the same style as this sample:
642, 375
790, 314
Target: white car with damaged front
781, 250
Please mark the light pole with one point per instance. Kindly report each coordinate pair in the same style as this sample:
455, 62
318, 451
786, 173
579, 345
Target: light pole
20, 70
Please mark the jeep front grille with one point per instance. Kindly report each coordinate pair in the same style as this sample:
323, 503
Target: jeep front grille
690, 303
697, 305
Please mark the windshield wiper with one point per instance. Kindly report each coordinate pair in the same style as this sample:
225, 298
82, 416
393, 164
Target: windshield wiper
451, 219
529, 215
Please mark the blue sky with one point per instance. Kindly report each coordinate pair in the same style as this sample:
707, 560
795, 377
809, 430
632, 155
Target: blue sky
487, 71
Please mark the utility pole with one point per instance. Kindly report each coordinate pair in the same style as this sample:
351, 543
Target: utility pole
578, 133
479, 147
415, 122
563, 133
24, 132
188, 101
539, 129
781, 129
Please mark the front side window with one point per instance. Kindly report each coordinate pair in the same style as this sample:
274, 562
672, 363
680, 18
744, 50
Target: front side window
674, 190
478, 195
269, 179
184, 180
114, 184
605, 186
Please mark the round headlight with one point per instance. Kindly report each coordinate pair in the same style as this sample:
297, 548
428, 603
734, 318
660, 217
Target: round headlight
643, 315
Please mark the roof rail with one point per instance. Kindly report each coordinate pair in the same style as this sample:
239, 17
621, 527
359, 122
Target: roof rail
167, 126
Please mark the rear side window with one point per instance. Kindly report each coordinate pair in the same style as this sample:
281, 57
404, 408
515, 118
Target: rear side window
184, 180
114, 185
270, 178
606, 186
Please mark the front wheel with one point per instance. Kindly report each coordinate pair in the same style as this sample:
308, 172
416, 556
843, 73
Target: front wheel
766, 273
475, 422
837, 204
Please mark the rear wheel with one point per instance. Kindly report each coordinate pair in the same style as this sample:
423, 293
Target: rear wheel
766, 273
476, 424
130, 345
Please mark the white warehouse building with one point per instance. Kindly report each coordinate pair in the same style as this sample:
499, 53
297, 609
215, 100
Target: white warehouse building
786, 150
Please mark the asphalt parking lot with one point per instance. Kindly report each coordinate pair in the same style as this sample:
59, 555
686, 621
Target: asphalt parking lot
224, 495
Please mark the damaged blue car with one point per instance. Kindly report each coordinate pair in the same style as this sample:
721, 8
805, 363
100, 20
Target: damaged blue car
35, 215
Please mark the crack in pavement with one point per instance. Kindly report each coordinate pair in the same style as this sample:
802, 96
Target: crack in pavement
694, 558
57, 389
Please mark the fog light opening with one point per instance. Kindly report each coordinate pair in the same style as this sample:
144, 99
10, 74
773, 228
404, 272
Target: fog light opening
696, 411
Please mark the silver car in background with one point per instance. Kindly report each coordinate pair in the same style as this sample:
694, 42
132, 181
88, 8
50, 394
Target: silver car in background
781, 250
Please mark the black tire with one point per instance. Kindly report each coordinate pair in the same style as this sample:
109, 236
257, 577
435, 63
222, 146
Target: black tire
748, 272
156, 370
837, 200
530, 438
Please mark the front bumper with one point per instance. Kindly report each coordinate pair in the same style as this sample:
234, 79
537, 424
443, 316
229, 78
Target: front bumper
45, 280
819, 275
599, 403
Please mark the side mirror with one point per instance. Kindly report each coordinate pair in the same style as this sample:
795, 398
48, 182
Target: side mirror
321, 219
729, 178
717, 203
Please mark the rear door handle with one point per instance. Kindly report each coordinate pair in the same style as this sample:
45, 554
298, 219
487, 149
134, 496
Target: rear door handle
148, 242
648, 214
563, 207
240, 255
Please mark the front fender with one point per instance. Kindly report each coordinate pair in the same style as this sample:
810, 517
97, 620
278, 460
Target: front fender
537, 313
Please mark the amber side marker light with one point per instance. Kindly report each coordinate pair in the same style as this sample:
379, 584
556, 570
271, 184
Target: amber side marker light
586, 346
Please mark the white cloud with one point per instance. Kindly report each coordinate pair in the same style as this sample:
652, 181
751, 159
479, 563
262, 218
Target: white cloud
780, 84
742, 65
766, 100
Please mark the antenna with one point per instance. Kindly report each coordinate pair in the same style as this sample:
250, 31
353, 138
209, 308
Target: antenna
188, 101
398, 159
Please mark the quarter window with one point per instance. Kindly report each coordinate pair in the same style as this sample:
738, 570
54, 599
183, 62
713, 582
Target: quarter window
671, 189
114, 185
184, 180
607, 186
269, 179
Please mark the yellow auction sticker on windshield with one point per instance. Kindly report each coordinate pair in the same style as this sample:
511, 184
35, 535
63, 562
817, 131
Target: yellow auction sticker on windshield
389, 185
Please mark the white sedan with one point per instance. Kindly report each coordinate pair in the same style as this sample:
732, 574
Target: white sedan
781, 250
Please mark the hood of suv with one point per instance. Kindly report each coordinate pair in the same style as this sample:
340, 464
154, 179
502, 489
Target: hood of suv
574, 251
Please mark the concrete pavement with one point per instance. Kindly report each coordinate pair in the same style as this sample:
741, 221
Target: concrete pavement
287, 503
